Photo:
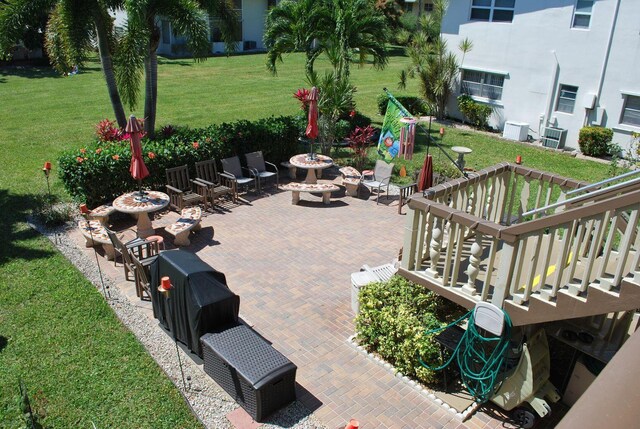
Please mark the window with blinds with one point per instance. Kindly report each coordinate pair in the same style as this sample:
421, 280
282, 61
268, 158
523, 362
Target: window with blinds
566, 98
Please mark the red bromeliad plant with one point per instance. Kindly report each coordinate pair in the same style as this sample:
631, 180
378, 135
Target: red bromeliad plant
359, 142
302, 95
107, 131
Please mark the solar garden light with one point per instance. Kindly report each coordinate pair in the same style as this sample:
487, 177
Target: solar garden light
84, 211
165, 289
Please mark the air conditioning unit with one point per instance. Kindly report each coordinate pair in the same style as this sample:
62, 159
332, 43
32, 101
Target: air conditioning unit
554, 137
517, 131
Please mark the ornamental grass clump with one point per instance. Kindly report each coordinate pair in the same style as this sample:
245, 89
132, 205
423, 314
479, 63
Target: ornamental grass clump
392, 322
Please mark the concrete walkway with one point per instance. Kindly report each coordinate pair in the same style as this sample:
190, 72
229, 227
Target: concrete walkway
291, 267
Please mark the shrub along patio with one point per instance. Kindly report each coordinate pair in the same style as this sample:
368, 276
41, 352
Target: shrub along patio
58, 335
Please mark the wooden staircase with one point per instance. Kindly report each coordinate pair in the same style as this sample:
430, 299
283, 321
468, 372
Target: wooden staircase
486, 238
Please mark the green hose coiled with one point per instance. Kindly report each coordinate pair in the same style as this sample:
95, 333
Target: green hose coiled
481, 359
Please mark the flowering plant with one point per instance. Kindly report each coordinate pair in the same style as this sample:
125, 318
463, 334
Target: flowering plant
302, 95
359, 142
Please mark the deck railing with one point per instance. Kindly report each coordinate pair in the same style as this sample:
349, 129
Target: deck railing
470, 237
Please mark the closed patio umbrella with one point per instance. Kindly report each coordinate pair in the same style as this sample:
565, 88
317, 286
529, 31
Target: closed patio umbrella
312, 126
425, 181
137, 168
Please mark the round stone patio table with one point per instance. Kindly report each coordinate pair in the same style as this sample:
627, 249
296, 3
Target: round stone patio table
319, 162
133, 204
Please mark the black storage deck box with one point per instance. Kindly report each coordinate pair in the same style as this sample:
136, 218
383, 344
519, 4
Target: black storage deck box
249, 369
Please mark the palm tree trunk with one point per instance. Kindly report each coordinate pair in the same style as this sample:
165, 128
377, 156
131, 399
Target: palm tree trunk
151, 82
107, 68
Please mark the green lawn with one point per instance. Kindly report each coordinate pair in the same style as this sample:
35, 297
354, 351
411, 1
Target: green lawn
78, 362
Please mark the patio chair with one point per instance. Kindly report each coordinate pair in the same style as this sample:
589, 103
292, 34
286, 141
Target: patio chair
144, 249
381, 177
258, 167
207, 173
182, 190
142, 275
233, 173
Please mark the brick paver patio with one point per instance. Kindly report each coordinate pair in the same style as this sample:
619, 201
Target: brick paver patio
291, 267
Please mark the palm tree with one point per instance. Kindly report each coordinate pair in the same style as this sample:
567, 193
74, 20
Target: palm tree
295, 26
338, 28
72, 25
358, 28
142, 37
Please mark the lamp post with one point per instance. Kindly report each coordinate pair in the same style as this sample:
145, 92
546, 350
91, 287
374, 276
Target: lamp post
84, 210
165, 289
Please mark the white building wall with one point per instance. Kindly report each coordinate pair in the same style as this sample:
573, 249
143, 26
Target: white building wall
539, 50
254, 13
622, 76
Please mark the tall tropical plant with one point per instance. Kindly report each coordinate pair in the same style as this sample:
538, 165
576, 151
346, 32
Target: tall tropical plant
345, 30
358, 31
294, 26
72, 26
431, 61
335, 98
140, 43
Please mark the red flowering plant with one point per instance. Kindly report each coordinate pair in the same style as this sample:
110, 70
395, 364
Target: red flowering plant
359, 142
302, 95
107, 131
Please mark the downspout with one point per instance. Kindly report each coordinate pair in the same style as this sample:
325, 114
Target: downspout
555, 71
605, 61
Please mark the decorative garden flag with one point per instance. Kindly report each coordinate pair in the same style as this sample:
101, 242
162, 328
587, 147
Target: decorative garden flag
389, 143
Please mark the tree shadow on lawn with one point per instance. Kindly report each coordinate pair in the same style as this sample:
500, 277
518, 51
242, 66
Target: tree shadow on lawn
28, 72
15, 209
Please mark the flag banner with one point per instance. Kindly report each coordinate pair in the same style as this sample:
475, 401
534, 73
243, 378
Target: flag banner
389, 142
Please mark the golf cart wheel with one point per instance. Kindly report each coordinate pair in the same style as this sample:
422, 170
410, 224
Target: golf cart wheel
524, 418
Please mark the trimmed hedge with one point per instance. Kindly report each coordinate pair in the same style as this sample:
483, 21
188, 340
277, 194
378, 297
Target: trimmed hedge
392, 322
595, 141
415, 105
100, 172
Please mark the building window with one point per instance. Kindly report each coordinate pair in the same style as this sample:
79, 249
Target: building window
492, 10
631, 111
566, 98
215, 22
481, 84
428, 7
582, 14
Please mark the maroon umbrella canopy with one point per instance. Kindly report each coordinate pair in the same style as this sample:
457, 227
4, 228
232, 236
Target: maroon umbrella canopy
137, 169
312, 127
425, 181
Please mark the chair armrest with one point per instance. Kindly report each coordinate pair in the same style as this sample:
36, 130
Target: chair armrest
252, 171
275, 169
199, 184
173, 190
205, 182
228, 176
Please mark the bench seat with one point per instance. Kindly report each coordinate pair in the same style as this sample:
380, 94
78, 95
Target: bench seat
324, 188
95, 234
351, 179
102, 213
189, 220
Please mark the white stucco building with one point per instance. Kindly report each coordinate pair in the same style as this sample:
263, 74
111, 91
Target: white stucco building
252, 14
551, 63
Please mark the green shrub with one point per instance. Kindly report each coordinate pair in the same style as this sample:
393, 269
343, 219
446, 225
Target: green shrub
100, 171
393, 319
415, 105
476, 113
595, 141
